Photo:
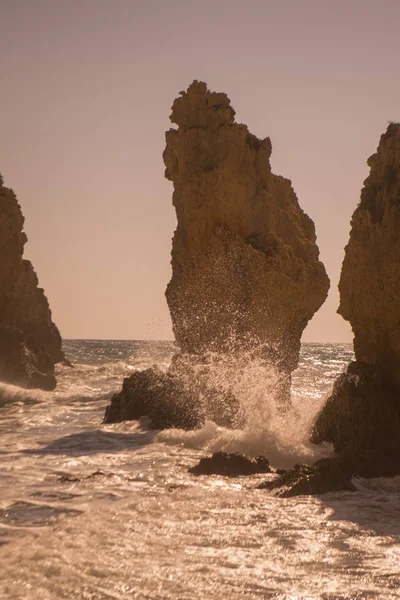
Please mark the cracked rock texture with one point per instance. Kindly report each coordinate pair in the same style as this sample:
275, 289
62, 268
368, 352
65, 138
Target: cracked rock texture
362, 416
30, 343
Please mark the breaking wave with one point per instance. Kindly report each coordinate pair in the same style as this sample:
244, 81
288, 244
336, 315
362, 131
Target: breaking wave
12, 394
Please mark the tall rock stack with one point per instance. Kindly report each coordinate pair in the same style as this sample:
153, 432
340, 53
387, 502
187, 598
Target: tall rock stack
362, 416
246, 278
245, 268
30, 343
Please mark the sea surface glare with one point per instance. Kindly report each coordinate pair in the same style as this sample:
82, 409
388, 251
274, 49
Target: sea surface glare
92, 511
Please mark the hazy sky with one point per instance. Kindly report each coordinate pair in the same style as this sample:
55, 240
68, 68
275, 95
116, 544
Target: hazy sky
86, 88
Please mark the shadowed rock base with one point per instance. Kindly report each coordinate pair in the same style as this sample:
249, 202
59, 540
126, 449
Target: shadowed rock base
324, 476
183, 398
23, 362
362, 420
160, 397
231, 465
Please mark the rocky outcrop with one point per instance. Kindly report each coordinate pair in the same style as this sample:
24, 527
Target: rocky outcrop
183, 398
246, 277
324, 476
362, 416
162, 397
231, 464
30, 343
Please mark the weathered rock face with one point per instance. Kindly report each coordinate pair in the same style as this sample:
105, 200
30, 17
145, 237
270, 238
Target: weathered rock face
246, 277
30, 343
362, 416
245, 268
370, 283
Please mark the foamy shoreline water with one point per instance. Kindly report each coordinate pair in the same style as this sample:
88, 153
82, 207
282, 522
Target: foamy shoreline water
110, 511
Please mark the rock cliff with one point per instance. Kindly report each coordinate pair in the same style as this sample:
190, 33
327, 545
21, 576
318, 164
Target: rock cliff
246, 277
362, 416
30, 343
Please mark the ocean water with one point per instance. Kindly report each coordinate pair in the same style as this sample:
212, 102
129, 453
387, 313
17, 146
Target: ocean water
93, 511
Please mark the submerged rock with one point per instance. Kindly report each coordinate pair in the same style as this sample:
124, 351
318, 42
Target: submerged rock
324, 476
30, 343
231, 464
246, 277
362, 415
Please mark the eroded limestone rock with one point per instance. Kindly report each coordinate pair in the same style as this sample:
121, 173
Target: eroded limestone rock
246, 277
362, 416
30, 343
245, 270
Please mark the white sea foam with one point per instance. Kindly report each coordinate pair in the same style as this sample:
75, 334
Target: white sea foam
283, 437
110, 511
11, 394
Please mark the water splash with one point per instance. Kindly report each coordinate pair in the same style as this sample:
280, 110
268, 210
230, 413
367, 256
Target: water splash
265, 429
12, 394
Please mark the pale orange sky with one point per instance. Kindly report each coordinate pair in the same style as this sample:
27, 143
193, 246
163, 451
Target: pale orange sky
86, 89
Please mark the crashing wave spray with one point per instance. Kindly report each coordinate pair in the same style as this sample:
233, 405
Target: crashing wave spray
243, 393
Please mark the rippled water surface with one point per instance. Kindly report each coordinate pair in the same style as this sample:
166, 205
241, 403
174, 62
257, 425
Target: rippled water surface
92, 511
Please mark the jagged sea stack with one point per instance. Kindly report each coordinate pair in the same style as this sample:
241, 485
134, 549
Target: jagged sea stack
245, 268
246, 277
30, 343
362, 416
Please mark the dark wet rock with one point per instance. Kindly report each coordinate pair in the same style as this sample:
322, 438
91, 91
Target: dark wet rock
30, 343
99, 473
23, 362
160, 397
68, 478
324, 476
183, 397
231, 464
362, 420
369, 463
